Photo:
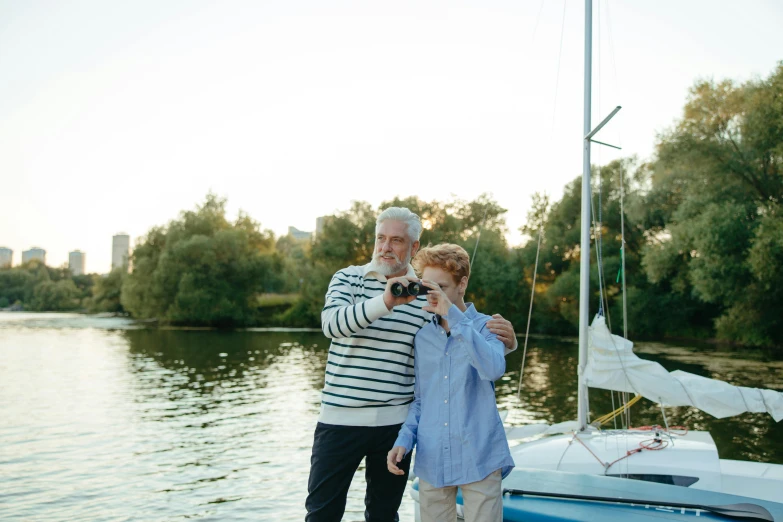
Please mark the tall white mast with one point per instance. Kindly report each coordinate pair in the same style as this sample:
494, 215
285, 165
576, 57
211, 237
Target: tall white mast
584, 250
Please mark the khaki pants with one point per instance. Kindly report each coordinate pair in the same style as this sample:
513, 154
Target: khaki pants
483, 501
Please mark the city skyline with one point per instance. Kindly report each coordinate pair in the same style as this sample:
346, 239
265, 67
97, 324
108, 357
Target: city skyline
121, 250
293, 111
76, 258
124, 249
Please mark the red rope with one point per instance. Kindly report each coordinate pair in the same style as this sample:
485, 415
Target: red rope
653, 444
630, 452
588, 449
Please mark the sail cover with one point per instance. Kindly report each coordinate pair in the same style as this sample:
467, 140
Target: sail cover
612, 365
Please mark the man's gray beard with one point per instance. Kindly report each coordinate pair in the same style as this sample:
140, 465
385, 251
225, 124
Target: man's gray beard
387, 270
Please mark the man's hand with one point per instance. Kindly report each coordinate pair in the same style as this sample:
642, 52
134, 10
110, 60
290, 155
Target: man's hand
396, 454
503, 329
437, 301
390, 300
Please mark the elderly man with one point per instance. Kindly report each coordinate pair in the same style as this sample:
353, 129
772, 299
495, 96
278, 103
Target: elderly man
369, 373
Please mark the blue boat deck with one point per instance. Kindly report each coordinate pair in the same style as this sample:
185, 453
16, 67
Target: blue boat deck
657, 501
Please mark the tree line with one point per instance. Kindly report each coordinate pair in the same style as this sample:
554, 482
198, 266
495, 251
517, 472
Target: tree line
703, 247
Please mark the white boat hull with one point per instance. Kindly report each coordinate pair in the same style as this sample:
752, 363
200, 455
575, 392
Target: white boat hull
689, 459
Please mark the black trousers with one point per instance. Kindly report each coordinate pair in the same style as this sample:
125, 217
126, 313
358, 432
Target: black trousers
337, 453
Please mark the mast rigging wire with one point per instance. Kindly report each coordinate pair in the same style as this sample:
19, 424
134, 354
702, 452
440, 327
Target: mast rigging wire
529, 312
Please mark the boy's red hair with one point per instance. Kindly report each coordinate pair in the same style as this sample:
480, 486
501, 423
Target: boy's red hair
446, 256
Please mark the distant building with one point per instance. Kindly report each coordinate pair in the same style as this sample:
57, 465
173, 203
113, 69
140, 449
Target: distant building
299, 234
319, 224
120, 250
34, 253
6, 257
76, 262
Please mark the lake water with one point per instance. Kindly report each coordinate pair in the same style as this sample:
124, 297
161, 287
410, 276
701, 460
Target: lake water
104, 420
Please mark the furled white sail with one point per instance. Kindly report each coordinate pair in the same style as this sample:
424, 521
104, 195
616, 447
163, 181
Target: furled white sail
532, 430
612, 365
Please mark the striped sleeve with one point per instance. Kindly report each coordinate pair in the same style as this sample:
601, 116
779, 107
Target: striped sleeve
342, 316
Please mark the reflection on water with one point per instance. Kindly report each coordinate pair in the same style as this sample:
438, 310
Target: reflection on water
103, 420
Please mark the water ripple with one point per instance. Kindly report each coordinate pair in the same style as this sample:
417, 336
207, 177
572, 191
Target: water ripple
106, 421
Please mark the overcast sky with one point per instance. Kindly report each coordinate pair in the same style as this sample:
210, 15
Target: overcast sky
115, 116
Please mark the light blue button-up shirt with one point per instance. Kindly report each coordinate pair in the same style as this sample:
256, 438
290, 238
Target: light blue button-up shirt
453, 421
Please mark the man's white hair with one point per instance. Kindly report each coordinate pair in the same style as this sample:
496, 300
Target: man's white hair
404, 215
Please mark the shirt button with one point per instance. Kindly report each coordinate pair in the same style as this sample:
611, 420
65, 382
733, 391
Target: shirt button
445, 376
445, 423
445, 401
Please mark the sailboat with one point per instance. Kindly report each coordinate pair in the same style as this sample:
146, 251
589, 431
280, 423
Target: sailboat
581, 472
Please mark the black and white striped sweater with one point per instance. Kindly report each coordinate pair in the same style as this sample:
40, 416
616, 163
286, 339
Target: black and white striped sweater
369, 371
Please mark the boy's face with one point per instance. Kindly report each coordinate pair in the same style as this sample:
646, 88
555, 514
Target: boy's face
454, 291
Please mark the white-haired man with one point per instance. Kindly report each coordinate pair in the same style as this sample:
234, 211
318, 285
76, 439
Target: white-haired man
370, 374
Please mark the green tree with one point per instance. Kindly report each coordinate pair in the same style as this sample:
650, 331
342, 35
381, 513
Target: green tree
107, 291
717, 186
561, 250
49, 295
43, 288
200, 269
292, 256
17, 284
348, 238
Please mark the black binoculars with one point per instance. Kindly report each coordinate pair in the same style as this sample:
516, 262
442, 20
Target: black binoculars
414, 288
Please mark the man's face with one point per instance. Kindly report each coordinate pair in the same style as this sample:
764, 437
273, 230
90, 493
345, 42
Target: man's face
454, 291
393, 248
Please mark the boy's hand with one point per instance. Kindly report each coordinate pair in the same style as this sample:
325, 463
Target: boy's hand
395, 455
437, 301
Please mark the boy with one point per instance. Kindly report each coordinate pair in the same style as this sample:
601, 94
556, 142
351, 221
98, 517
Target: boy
453, 420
